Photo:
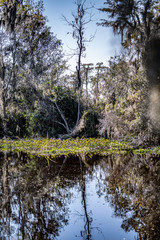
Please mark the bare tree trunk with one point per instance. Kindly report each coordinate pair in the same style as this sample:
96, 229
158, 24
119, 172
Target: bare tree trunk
4, 117
3, 94
65, 125
78, 108
14, 63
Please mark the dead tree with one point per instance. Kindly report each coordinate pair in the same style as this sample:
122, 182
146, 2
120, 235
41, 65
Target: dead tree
80, 18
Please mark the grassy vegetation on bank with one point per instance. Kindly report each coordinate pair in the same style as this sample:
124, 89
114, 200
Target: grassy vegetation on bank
58, 147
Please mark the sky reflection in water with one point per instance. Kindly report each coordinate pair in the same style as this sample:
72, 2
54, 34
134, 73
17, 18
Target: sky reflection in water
115, 198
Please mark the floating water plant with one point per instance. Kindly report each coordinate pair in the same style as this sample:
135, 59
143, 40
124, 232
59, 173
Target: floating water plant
57, 147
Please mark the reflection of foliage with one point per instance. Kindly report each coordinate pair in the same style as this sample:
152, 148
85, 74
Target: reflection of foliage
133, 190
35, 194
34, 201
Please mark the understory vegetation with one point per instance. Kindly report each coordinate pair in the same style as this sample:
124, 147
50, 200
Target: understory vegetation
39, 98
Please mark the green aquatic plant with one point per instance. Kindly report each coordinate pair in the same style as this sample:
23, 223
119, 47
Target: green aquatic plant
86, 146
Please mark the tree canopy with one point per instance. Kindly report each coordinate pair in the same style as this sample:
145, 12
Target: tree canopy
136, 20
38, 97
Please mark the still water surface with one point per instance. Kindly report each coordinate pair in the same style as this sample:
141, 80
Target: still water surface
112, 198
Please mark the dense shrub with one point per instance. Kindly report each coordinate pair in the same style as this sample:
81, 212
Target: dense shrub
88, 124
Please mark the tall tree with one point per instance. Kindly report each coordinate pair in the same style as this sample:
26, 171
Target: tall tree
30, 58
6, 75
136, 20
12, 14
80, 18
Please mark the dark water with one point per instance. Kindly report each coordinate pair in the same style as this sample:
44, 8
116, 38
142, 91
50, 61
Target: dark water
113, 198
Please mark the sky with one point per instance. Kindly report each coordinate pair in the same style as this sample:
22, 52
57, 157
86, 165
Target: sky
104, 45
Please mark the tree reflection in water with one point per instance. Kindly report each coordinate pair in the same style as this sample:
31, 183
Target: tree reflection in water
86, 233
131, 185
33, 201
35, 195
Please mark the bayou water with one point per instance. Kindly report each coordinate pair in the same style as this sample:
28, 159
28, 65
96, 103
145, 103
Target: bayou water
105, 198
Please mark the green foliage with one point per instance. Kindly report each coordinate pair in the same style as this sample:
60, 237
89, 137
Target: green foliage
67, 100
16, 125
39, 123
84, 147
126, 114
30, 56
88, 123
136, 21
41, 116
38, 100
57, 147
